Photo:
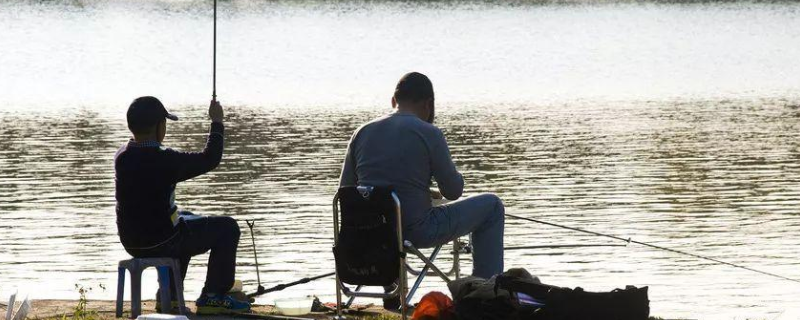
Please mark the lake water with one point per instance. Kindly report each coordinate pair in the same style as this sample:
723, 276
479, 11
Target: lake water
673, 124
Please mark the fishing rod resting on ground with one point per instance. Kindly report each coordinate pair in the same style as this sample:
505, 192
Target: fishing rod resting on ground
629, 240
286, 285
261, 290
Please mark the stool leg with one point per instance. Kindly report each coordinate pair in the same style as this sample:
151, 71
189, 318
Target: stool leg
176, 271
120, 290
163, 287
136, 292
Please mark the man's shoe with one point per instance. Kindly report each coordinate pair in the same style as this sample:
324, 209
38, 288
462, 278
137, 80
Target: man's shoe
392, 304
220, 304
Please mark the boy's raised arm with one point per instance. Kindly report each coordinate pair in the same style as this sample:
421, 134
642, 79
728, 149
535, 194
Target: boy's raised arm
187, 165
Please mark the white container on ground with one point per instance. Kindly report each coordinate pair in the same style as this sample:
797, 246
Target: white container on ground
294, 306
159, 316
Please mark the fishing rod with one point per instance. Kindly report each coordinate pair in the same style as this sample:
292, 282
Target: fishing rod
261, 290
629, 240
214, 74
280, 287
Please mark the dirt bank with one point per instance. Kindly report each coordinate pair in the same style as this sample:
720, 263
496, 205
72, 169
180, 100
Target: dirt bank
105, 310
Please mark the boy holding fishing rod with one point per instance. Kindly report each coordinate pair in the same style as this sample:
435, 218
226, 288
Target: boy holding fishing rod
149, 221
404, 150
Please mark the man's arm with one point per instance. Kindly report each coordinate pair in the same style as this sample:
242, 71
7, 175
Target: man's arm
187, 165
450, 181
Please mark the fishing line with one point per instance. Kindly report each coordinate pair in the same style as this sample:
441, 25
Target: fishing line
654, 247
563, 246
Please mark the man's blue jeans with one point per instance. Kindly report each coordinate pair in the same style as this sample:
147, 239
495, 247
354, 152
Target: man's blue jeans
482, 215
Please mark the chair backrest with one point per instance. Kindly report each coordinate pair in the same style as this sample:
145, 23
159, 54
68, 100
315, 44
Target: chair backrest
365, 205
367, 250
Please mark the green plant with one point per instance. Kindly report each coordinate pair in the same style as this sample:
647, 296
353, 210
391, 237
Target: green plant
80, 311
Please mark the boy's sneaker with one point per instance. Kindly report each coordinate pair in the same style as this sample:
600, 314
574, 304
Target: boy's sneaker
241, 296
220, 304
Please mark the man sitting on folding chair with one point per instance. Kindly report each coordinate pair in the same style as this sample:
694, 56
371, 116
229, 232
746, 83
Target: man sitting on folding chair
404, 150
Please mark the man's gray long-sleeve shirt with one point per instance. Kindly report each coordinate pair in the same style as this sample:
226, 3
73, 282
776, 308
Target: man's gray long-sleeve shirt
402, 151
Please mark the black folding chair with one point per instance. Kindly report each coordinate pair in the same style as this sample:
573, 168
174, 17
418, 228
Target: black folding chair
370, 249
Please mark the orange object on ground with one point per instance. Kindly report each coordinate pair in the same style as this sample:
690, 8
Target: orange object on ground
434, 306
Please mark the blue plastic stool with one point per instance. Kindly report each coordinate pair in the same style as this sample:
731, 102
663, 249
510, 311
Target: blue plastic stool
136, 267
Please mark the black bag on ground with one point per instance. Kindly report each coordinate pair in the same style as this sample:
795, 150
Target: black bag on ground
630, 303
476, 299
367, 251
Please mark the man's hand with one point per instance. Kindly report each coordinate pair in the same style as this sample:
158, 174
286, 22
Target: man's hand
435, 194
215, 111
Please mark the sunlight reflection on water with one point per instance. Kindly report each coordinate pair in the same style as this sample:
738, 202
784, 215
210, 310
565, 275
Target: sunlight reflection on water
567, 112
719, 184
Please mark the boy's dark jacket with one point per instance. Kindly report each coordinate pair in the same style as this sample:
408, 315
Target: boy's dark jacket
145, 177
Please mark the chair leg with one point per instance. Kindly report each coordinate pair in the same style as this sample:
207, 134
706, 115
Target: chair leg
164, 289
338, 298
457, 258
403, 289
429, 261
120, 290
423, 272
416, 285
176, 271
136, 292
